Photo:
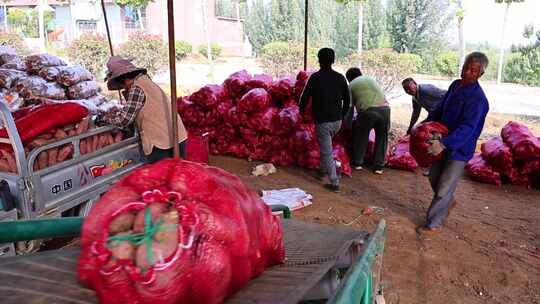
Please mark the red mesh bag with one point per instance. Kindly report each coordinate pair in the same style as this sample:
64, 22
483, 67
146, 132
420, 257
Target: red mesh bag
250, 137
236, 84
208, 96
177, 232
479, 170
340, 154
45, 119
301, 80
255, 100
282, 89
517, 178
287, 120
262, 121
399, 156
530, 166
498, 155
523, 143
420, 137
281, 157
238, 149
192, 115
262, 81
235, 118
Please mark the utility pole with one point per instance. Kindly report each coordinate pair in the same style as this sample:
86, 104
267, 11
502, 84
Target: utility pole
41, 24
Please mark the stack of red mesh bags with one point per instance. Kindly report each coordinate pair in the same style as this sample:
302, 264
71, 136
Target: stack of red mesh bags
257, 118
177, 232
514, 158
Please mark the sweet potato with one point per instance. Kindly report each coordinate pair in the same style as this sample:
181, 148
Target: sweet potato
170, 231
4, 166
43, 160
160, 251
110, 139
83, 146
122, 223
118, 137
101, 141
52, 156
83, 126
95, 143
60, 134
38, 142
122, 250
64, 153
72, 132
156, 209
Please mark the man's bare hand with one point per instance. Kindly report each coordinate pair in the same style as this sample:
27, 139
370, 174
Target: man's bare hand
436, 147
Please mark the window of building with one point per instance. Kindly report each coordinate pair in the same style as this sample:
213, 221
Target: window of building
87, 25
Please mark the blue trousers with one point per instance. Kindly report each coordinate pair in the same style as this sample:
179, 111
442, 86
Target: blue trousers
444, 177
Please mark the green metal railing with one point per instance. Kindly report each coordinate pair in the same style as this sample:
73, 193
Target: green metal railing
357, 286
27, 230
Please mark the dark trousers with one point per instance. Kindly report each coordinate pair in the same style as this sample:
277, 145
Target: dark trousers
444, 177
159, 154
377, 118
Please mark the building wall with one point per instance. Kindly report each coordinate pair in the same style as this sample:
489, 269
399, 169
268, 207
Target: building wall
68, 16
189, 25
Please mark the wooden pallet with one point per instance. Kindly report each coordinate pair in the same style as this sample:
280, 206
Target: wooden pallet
311, 252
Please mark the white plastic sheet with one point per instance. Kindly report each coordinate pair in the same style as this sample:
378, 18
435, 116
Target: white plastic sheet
294, 198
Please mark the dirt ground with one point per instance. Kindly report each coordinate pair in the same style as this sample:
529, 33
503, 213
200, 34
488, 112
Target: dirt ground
489, 251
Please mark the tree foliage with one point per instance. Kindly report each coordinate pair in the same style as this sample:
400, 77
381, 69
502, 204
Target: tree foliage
25, 21
386, 66
91, 51
15, 41
280, 58
418, 26
331, 24
524, 64
148, 51
134, 3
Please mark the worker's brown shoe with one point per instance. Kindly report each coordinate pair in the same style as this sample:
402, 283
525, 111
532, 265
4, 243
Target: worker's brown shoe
427, 231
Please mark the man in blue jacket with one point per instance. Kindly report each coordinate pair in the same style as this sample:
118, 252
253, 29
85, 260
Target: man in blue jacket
463, 111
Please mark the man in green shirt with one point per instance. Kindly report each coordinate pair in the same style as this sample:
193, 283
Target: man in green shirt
373, 113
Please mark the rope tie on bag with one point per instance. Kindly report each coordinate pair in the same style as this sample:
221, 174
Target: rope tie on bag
138, 239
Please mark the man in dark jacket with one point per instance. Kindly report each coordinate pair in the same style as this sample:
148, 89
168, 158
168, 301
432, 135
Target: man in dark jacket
425, 96
463, 111
330, 102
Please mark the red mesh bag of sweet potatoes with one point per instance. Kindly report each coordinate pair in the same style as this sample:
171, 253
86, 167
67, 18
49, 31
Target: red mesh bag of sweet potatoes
177, 232
421, 135
523, 143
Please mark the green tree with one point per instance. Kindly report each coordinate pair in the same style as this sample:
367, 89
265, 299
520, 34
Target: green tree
346, 25
418, 26
501, 55
275, 20
524, 63
25, 21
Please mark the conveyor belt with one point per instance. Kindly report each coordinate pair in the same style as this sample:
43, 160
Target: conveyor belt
311, 252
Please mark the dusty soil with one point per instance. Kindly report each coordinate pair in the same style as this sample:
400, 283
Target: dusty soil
489, 251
